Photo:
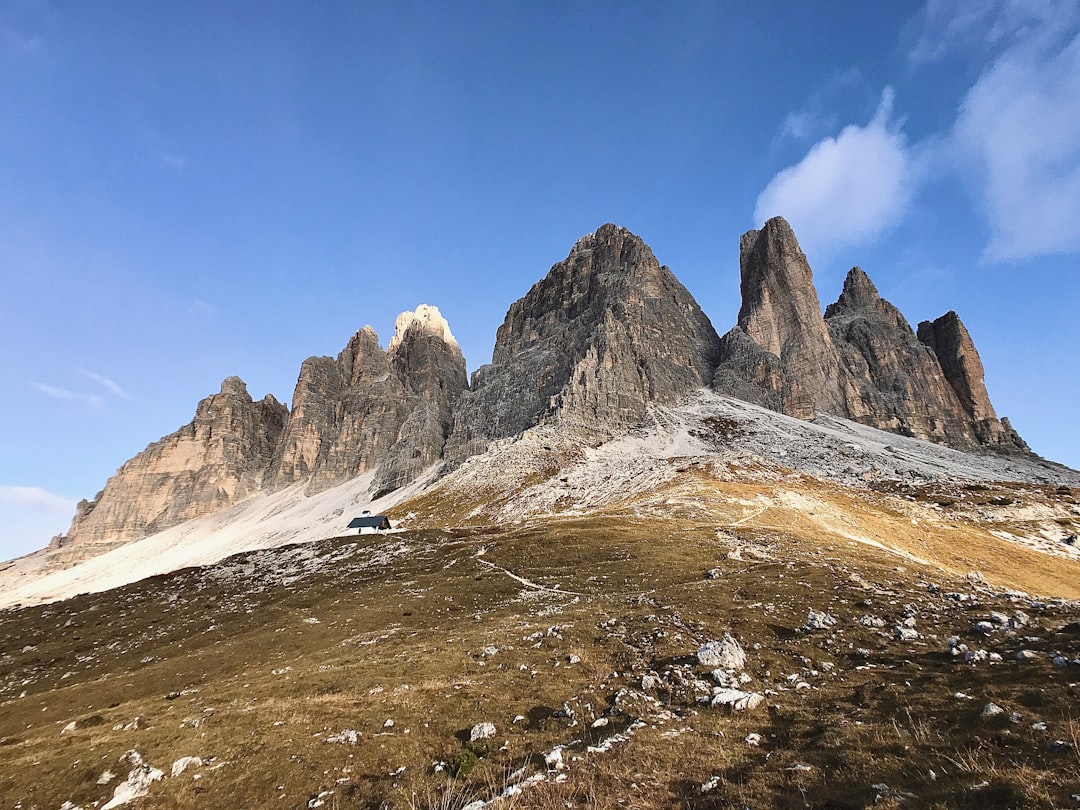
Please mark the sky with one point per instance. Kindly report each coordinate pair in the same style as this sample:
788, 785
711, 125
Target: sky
192, 190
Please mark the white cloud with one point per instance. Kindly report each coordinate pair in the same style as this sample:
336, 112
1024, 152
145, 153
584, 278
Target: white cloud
104, 382
975, 27
816, 117
35, 498
847, 190
62, 393
1019, 134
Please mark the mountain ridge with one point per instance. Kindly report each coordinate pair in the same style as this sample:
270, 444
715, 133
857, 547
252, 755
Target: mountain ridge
607, 333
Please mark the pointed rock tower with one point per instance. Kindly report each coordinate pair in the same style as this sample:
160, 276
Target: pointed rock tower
372, 408
861, 361
606, 332
780, 354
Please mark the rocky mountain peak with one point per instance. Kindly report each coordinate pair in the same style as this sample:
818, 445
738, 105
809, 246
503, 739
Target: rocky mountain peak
779, 354
949, 340
859, 293
426, 319
861, 360
233, 385
212, 462
779, 302
606, 332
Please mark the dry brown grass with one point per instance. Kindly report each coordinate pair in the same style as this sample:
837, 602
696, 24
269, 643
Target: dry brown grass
236, 675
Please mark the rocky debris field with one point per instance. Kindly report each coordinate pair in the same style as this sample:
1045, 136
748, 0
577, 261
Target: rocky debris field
594, 661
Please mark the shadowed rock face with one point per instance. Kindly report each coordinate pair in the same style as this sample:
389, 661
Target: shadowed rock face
950, 342
861, 360
373, 408
780, 354
217, 459
606, 332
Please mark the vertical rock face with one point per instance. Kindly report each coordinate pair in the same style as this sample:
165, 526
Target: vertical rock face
607, 331
214, 461
780, 354
426, 357
371, 408
898, 382
861, 360
950, 342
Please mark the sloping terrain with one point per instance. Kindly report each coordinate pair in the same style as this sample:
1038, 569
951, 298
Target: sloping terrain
548, 470
353, 672
892, 624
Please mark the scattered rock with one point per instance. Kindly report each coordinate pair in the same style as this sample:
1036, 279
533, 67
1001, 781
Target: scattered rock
736, 699
724, 654
137, 783
992, 710
816, 620
711, 784
346, 736
902, 633
184, 763
482, 731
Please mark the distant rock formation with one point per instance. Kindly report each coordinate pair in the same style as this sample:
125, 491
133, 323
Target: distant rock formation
606, 332
217, 459
861, 361
780, 354
371, 408
952, 345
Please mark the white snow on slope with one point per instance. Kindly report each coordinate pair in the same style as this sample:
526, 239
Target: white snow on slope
753, 441
265, 521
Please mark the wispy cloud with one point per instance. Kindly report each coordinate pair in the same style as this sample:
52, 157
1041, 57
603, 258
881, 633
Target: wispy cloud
1018, 136
977, 27
35, 498
104, 382
815, 118
848, 189
63, 393
173, 161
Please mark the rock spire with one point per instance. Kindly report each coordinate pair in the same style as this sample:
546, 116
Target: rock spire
861, 360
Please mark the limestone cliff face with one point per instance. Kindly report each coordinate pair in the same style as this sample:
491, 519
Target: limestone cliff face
950, 342
780, 354
899, 382
606, 332
373, 408
214, 461
861, 360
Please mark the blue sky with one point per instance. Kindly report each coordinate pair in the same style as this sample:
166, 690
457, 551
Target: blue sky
193, 190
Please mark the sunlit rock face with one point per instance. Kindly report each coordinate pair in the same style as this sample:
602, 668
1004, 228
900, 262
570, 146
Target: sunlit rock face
214, 461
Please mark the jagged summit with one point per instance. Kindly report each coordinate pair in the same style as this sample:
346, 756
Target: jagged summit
427, 319
608, 333
859, 293
605, 332
780, 348
861, 360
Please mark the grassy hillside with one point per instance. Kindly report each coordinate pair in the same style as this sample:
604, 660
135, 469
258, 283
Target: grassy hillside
348, 673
